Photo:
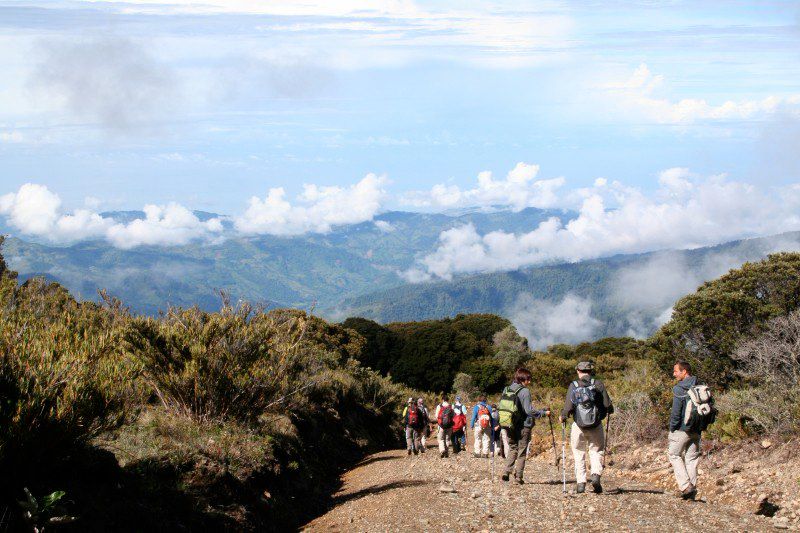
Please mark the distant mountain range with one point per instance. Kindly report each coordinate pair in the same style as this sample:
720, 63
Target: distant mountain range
310, 270
354, 271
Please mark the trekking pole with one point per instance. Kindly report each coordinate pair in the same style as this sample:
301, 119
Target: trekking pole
557, 459
605, 440
564, 457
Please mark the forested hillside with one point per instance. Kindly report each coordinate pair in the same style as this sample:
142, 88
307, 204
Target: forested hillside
302, 271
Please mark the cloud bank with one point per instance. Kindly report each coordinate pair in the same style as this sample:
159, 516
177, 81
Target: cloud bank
36, 211
318, 208
685, 212
545, 323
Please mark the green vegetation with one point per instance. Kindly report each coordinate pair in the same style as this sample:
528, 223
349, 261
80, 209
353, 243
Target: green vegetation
427, 355
193, 419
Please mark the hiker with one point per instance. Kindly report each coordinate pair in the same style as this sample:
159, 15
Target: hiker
481, 424
588, 403
444, 419
460, 409
692, 412
459, 429
413, 420
498, 443
516, 421
426, 429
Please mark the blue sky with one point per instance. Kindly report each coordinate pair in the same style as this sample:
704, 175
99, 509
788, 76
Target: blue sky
115, 105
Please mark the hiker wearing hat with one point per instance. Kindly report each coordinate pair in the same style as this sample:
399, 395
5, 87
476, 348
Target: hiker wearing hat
444, 418
588, 403
426, 429
414, 421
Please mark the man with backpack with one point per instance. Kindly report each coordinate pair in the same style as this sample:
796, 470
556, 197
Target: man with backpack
426, 428
414, 421
481, 424
516, 421
498, 442
589, 404
692, 412
444, 418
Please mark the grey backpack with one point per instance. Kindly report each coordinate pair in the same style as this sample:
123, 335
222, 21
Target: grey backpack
584, 398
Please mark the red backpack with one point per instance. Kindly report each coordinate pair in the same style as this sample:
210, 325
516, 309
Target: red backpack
413, 417
459, 421
445, 417
484, 416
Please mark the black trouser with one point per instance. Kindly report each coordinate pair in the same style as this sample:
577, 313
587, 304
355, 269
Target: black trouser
517, 449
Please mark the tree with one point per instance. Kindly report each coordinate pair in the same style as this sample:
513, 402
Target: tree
707, 326
510, 348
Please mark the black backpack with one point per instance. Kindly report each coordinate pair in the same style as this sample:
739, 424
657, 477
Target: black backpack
446, 417
587, 407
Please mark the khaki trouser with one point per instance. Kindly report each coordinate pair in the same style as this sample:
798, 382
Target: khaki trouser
583, 441
482, 438
684, 454
444, 437
517, 448
412, 438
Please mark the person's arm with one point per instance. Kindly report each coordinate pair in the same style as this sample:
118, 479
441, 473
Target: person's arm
568, 407
677, 410
524, 396
474, 417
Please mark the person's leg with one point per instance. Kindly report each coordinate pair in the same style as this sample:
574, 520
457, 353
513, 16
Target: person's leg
596, 439
417, 444
476, 444
409, 438
442, 437
525, 437
692, 457
578, 444
678, 442
511, 451
504, 441
485, 438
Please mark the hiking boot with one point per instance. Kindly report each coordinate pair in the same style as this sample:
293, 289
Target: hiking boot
596, 486
580, 488
689, 493
441, 454
476, 455
486, 456
504, 477
422, 450
519, 480
416, 452
409, 451
446, 453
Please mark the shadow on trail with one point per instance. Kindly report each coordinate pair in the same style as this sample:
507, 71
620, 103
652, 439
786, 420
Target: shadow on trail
622, 490
373, 459
376, 489
552, 482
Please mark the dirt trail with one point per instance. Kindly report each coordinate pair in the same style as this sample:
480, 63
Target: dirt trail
390, 491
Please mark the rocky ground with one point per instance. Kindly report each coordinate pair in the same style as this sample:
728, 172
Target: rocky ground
390, 491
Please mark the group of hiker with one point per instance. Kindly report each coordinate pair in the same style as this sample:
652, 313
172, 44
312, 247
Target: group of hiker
505, 428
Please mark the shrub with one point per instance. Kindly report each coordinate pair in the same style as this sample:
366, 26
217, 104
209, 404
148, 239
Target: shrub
488, 375
63, 377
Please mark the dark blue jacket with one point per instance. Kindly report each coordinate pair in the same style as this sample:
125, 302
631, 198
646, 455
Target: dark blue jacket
680, 396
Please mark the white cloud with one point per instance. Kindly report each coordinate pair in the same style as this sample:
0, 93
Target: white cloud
318, 208
36, 211
637, 94
704, 212
545, 323
384, 226
519, 189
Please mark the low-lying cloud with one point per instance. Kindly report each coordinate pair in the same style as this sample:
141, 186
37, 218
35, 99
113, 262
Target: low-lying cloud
685, 212
317, 209
545, 323
519, 189
36, 211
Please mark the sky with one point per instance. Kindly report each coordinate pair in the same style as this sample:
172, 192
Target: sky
295, 116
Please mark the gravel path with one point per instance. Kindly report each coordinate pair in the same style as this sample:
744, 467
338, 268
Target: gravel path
390, 491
